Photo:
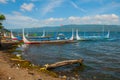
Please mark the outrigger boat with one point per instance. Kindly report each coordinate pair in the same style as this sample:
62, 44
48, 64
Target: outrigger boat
43, 34
77, 36
12, 37
72, 37
92, 37
4, 35
80, 38
36, 37
27, 41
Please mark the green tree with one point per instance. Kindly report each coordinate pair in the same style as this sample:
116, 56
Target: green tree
2, 17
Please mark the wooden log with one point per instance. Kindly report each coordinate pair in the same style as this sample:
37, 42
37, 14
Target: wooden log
19, 60
63, 63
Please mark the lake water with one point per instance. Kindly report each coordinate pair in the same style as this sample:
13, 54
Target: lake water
101, 58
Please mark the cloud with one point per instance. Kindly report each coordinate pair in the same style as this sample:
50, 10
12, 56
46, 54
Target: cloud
34, 0
27, 7
3, 1
109, 7
14, 1
87, 1
6, 1
51, 5
97, 19
16, 13
77, 7
20, 21
53, 21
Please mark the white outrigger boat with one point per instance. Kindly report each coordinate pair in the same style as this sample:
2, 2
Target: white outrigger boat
72, 37
92, 37
43, 34
27, 41
5, 35
13, 37
36, 37
77, 36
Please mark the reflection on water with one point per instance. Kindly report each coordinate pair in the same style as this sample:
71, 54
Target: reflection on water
101, 58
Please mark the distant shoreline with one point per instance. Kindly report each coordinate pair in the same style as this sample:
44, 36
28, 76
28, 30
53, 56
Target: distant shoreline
68, 28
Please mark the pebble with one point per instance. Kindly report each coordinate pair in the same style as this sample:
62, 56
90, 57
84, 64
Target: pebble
9, 78
18, 65
64, 77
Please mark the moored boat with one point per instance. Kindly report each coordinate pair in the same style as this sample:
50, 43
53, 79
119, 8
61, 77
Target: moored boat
72, 37
86, 38
27, 41
13, 37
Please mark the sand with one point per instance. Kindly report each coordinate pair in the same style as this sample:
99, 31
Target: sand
9, 72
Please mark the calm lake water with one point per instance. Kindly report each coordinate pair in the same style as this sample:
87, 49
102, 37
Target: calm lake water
101, 58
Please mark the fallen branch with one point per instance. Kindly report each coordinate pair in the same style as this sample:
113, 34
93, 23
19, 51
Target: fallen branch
20, 60
63, 63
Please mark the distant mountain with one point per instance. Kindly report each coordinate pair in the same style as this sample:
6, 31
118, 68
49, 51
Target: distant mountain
68, 28
92, 28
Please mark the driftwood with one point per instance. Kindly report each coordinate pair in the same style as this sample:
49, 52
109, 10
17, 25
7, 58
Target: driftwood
20, 60
63, 63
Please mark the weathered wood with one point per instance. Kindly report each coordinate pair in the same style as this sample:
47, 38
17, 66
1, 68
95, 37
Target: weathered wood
63, 63
20, 60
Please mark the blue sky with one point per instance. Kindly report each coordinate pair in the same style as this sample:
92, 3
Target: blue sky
40, 13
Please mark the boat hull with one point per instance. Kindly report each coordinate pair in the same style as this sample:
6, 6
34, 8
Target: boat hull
50, 42
14, 39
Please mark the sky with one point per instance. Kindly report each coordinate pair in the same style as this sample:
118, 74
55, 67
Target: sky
40, 13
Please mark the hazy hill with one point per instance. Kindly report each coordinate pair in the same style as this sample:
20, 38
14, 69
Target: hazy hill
68, 28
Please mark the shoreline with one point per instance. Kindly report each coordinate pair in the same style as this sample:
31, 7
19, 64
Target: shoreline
9, 70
